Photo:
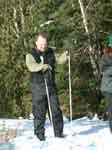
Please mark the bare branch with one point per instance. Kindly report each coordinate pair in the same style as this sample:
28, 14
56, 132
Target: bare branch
95, 71
84, 16
15, 22
90, 2
22, 16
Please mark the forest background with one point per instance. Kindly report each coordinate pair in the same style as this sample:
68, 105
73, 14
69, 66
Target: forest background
83, 34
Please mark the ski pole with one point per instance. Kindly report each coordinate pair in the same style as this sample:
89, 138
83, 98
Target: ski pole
49, 104
70, 87
47, 92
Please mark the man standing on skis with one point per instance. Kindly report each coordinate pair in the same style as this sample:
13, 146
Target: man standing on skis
41, 64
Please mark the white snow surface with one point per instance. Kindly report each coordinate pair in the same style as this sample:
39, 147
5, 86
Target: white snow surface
81, 134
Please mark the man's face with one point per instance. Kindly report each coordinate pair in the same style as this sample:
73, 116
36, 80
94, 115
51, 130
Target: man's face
41, 43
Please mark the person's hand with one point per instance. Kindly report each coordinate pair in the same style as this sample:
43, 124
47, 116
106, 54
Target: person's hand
46, 67
67, 55
64, 56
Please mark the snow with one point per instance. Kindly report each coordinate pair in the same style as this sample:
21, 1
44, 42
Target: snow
81, 134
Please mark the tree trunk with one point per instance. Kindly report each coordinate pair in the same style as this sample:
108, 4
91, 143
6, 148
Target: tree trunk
95, 70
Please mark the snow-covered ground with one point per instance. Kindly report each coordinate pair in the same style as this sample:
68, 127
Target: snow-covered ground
81, 134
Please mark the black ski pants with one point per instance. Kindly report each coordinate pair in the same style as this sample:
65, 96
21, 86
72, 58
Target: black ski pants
40, 107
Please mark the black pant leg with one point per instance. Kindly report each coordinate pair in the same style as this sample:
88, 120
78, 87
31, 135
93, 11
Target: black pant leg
56, 114
109, 101
39, 109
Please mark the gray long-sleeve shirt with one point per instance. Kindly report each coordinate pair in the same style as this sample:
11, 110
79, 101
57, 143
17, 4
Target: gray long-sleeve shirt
106, 69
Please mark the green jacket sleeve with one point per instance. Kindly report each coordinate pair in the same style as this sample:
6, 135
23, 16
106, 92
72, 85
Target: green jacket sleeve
32, 65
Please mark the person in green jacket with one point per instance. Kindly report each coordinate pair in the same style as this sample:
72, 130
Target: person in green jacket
106, 82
